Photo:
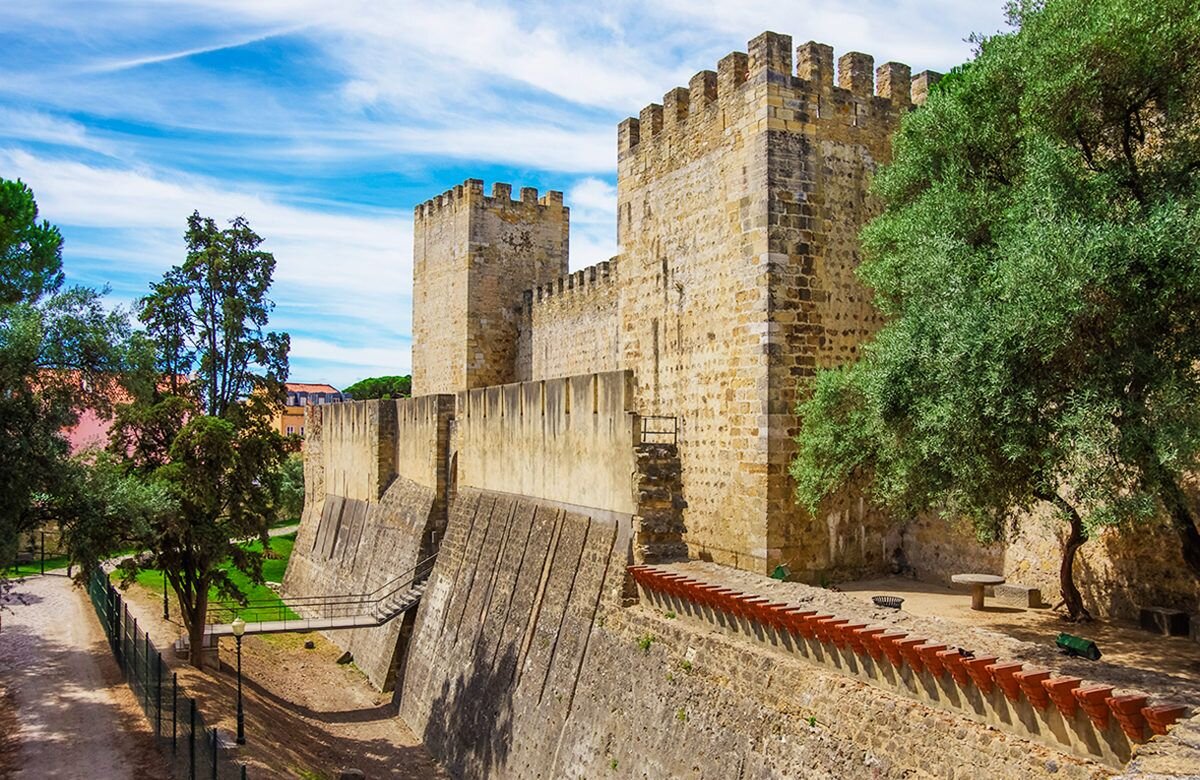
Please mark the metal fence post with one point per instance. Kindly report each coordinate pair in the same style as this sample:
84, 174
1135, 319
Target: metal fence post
243, 772
174, 711
158, 698
125, 646
146, 697
214, 753
192, 741
43, 552
134, 667
121, 634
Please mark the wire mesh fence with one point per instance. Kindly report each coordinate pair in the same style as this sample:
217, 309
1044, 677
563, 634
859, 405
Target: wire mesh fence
193, 749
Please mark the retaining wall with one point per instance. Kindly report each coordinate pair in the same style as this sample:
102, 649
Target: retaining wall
374, 501
524, 663
1118, 571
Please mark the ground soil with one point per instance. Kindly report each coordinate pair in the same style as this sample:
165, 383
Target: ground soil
1166, 668
1122, 642
64, 710
305, 715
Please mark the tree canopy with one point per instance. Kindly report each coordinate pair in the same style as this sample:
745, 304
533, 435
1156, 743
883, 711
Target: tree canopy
59, 348
206, 379
380, 387
1038, 260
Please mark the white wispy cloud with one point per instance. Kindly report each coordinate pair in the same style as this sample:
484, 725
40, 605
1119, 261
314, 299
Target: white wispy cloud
41, 127
356, 267
324, 123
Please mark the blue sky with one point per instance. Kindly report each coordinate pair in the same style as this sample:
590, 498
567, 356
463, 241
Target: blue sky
324, 124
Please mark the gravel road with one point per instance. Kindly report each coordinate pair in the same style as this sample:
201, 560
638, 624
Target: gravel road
75, 717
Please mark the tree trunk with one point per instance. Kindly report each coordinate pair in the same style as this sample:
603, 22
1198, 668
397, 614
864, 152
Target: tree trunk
1072, 598
196, 619
1185, 526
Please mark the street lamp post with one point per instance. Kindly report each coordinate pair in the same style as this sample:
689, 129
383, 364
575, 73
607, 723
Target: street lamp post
239, 628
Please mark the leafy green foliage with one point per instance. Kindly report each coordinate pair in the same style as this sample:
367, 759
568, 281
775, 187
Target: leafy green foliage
205, 383
275, 559
58, 350
380, 387
291, 487
30, 253
1039, 263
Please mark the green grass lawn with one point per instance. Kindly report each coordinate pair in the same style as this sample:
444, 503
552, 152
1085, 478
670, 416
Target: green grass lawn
270, 607
26, 569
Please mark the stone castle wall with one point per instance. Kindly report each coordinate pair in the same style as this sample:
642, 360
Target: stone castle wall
525, 664
474, 255
441, 262
357, 534
739, 202
1117, 572
569, 440
570, 326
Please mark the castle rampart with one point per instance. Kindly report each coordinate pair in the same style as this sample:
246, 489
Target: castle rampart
570, 440
375, 503
740, 198
570, 326
739, 202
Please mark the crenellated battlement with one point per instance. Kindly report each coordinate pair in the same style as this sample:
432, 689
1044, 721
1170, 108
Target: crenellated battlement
810, 90
471, 191
582, 282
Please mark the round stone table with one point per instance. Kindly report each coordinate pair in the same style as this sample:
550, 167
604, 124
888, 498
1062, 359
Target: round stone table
977, 582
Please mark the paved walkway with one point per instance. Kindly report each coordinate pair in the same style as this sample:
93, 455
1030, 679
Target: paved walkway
1122, 642
76, 718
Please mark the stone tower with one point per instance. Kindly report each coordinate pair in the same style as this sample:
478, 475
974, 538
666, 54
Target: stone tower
473, 256
739, 200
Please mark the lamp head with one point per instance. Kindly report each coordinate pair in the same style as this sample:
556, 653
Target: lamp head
239, 626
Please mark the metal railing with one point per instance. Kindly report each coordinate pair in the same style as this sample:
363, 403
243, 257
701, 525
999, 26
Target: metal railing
659, 429
192, 749
365, 609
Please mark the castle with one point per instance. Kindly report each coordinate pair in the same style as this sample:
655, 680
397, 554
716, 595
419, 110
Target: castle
564, 426
739, 201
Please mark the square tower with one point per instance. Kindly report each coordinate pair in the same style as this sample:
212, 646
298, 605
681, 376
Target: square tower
473, 257
739, 202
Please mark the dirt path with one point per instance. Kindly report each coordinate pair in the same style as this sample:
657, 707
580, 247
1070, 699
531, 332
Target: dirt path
306, 716
74, 716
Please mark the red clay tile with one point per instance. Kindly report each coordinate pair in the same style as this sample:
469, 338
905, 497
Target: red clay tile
1031, 681
824, 628
953, 659
908, 649
1093, 700
1003, 674
1161, 717
867, 642
844, 637
808, 628
1128, 711
933, 661
891, 649
977, 667
1060, 690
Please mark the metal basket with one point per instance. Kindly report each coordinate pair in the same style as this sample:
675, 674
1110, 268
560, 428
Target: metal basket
890, 602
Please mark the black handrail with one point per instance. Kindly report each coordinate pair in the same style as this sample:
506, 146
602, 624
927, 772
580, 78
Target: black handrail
335, 606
